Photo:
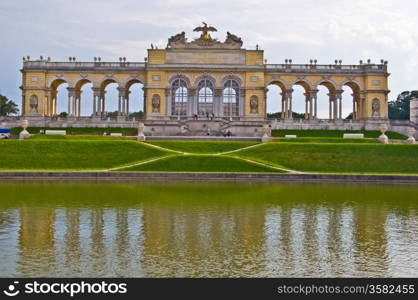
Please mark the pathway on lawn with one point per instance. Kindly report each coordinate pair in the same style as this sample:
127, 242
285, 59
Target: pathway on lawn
226, 154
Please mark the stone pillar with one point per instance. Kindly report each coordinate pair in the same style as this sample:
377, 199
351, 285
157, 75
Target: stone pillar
314, 97
288, 105
330, 106
362, 99
339, 98
71, 101
96, 97
306, 105
127, 102
283, 112
121, 99
167, 100
48, 103
219, 109
191, 107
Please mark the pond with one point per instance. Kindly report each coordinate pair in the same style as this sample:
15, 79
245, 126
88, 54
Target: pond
208, 230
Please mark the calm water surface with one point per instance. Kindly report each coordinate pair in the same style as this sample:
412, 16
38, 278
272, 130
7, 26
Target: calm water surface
187, 230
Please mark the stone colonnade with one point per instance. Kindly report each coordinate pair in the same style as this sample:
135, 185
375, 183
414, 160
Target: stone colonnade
311, 104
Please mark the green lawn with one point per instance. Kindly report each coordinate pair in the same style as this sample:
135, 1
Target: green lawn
335, 133
324, 140
202, 146
200, 163
72, 154
74, 130
345, 158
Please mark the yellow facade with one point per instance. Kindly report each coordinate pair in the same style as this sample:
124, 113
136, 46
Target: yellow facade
223, 67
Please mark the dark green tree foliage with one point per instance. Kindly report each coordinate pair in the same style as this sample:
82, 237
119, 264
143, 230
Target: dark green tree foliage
7, 107
278, 114
399, 109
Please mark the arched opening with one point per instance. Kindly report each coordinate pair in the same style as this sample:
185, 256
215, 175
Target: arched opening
326, 100
84, 96
59, 101
205, 92
274, 100
109, 98
230, 98
134, 103
301, 100
351, 101
180, 95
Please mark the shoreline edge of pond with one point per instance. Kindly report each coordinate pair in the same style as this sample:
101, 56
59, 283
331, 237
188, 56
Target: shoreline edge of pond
203, 176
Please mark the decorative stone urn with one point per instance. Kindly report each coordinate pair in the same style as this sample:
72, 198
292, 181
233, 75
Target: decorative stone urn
266, 134
141, 135
383, 137
411, 138
24, 134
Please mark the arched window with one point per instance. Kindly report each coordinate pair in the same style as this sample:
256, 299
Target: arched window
179, 91
205, 97
230, 98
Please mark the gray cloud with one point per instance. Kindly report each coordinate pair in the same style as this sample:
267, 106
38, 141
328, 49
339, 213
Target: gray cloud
301, 30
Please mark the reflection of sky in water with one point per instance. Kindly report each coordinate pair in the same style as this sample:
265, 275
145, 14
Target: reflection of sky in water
251, 231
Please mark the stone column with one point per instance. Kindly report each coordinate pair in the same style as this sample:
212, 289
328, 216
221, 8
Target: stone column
167, 101
218, 102
71, 101
362, 99
191, 107
306, 105
289, 114
96, 97
78, 103
315, 97
121, 100
48, 103
283, 112
340, 105
127, 102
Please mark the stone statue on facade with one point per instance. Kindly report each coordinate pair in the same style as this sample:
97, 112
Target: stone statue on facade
375, 108
177, 39
205, 31
155, 105
233, 39
254, 105
33, 103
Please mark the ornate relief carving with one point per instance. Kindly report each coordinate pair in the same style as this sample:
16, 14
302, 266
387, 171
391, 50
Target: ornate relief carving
155, 104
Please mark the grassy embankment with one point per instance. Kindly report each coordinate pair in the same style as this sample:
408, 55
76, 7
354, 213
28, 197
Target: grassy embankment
72, 154
338, 158
101, 153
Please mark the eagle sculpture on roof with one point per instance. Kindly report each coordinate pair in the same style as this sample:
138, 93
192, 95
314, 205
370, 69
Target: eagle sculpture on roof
205, 29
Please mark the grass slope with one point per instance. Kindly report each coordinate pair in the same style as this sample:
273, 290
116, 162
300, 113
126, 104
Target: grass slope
72, 154
335, 133
345, 158
200, 163
202, 146
75, 130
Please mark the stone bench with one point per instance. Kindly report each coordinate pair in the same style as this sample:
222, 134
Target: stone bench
290, 136
116, 134
55, 132
353, 136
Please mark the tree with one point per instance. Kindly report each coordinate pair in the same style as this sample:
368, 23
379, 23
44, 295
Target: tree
399, 109
7, 107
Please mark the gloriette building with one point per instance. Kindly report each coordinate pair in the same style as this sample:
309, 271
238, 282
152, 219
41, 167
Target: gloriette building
204, 80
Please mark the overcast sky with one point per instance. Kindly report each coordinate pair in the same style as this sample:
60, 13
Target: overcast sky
298, 29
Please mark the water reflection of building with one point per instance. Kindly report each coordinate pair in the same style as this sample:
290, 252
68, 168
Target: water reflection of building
36, 240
